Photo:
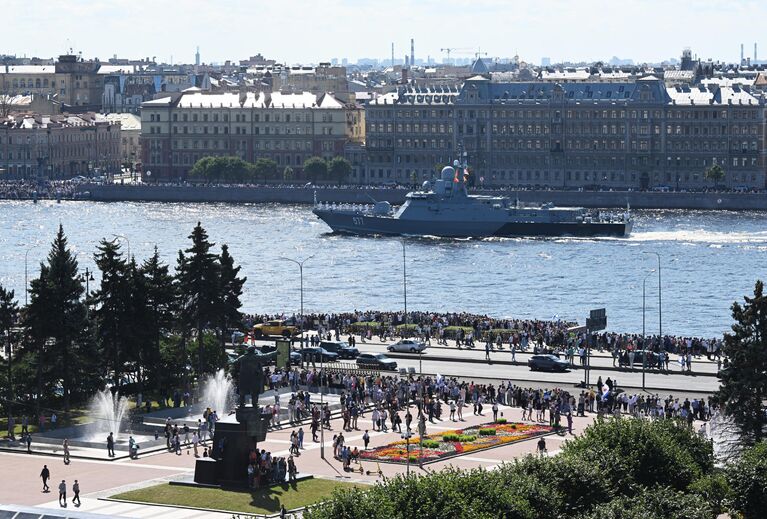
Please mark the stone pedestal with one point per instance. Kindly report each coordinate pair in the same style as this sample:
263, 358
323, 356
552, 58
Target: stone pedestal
234, 437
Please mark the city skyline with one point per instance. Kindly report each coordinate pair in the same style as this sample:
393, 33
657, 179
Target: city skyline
230, 30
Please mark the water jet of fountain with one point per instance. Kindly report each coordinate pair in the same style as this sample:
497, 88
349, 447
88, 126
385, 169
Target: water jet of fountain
218, 393
107, 410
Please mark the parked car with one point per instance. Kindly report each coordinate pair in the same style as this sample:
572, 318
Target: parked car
376, 361
652, 359
407, 346
547, 362
342, 348
281, 328
318, 354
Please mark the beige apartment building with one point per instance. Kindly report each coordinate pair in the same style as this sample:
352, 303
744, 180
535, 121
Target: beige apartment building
130, 138
177, 131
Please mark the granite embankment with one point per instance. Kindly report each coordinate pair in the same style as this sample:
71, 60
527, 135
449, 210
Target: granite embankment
306, 195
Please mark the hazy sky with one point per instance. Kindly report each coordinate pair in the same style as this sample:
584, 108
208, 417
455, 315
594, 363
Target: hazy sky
294, 31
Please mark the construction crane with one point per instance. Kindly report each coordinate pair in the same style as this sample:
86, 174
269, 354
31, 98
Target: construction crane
477, 53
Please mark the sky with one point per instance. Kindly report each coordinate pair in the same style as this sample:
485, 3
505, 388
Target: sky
310, 31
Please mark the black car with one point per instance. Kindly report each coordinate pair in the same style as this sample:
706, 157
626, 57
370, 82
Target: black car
316, 354
376, 361
342, 348
547, 362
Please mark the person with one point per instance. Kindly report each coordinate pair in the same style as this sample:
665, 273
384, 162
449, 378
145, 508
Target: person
29, 443
292, 470
66, 452
11, 427
76, 491
45, 474
63, 493
195, 441
366, 439
54, 419
495, 411
283, 512
111, 445
541, 446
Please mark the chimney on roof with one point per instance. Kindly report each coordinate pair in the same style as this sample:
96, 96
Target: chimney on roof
754, 52
742, 60
412, 52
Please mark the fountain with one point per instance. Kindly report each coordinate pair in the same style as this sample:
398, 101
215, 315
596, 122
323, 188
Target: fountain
107, 410
218, 393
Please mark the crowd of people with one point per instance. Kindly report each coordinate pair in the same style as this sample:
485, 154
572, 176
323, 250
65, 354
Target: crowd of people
29, 189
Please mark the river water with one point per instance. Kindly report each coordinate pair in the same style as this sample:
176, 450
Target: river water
709, 260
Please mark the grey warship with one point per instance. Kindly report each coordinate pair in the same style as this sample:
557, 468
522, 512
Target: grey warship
444, 208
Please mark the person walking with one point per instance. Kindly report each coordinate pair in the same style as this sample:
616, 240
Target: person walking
366, 439
76, 491
63, 493
111, 445
487, 351
67, 460
29, 443
495, 411
45, 475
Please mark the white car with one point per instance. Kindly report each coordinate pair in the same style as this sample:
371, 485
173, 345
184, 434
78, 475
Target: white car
407, 346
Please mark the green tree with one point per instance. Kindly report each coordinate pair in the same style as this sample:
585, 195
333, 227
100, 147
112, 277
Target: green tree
714, 173
265, 169
223, 169
743, 380
161, 299
197, 274
112, 307
654, 503
57, 314
9, 312
230, 286
339, 169
315, 168
748, 480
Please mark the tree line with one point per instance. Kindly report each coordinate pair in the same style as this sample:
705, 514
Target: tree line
237, 170
143, 328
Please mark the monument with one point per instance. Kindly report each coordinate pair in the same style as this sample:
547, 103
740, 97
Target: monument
236, 435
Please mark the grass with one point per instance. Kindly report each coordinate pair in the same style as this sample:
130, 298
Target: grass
261, 501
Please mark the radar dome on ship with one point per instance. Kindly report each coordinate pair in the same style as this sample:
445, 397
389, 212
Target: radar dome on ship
448, 173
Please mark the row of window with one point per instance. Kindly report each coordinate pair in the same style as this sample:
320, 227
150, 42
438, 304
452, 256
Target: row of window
242, 118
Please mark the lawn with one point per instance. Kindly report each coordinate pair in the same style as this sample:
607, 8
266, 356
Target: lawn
437, 446
262, 501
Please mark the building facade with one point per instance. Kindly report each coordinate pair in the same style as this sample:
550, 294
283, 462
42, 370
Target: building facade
177, 131
635, 135
34, 146
130, 138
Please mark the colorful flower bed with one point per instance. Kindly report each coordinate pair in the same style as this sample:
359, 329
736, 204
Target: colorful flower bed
459, 441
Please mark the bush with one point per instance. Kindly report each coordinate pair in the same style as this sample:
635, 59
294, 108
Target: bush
747, 478
644, 453
714, 490
450, 437
654, 503
487, 432
463, 438
431, 444
504, 420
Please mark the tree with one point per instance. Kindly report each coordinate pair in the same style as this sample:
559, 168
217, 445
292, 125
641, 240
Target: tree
654, 503
223, 169
743, 387
161, 298
315, 168
197, 274
56, 313
230, 287
265, 169
339, 169
112, 309
715, 174
438, 169
9, 311
748, 482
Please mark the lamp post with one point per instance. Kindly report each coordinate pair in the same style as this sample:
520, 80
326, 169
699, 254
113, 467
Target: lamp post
322, 405
87, 276
644, 335
404, 279
26, 282
121, 237
300, 264
660, 308
406, 436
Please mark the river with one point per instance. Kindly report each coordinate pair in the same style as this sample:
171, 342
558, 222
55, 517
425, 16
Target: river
708, 259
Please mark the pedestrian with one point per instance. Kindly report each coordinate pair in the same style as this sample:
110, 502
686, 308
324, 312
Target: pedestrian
195, 441
63, 493
66, 452
111, 445
366, 439
54, 419
45, 475
487, 350
495, 411
29, 443
76, 491
541, 446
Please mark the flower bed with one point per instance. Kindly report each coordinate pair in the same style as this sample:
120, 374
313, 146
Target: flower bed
459, 441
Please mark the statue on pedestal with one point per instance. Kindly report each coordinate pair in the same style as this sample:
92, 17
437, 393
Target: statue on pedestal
250, 379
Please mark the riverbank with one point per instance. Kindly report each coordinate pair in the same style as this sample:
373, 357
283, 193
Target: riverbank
353, 195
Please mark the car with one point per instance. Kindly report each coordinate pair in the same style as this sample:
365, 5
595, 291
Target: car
318, 354
407, 346
547, 362
295, 356
376, 361
276, 327
342, 348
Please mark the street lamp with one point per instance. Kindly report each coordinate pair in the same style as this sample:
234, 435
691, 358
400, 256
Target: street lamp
26, 283
120, 236
406, 436
644, 335
301, 275
404, 279
87, 276
660, 313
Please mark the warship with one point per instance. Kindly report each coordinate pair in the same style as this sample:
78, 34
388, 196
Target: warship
444, 208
